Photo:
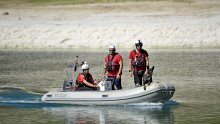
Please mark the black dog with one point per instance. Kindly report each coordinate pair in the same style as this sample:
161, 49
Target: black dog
147, 78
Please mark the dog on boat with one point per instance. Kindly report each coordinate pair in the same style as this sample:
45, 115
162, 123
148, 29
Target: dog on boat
147, 78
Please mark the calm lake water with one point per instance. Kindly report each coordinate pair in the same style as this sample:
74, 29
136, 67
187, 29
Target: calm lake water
25, 75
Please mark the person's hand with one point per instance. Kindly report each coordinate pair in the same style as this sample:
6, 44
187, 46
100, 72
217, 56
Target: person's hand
95, 81
104, 76
96, 86
130, 74
118, 76
146, 72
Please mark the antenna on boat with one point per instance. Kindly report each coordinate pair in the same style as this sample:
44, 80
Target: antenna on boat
76, 63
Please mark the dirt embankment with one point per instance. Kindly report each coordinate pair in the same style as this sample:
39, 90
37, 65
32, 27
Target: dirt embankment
161, 24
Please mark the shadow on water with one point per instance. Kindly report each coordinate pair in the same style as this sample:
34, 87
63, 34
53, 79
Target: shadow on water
128, 113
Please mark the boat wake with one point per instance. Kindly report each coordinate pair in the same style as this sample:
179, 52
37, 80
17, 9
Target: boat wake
16, 97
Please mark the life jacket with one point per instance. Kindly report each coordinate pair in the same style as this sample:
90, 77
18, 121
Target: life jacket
139, 61
88, 78
110, 65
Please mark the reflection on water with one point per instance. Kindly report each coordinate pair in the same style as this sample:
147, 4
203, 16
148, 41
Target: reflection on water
88, 114
113, 114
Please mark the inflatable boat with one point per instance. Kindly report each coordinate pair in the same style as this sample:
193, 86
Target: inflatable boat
155, 92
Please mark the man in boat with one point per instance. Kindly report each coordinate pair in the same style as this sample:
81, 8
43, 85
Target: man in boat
138, 63
85, 80
113, 67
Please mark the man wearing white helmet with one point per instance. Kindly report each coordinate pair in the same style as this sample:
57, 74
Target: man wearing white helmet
113, 67
138, 63
85, 80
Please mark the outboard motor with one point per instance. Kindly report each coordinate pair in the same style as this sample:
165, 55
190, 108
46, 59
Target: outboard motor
68, 85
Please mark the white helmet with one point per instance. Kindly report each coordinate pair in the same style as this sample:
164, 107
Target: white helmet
138, 42
111, 46
85, 66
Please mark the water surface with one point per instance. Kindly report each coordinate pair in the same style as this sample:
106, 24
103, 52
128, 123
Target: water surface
25, 75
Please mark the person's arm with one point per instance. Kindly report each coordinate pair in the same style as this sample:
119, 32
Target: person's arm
147, 62
89, 84
120, 68
130, 67
104, 70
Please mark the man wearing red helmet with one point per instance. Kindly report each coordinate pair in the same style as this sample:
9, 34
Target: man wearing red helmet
138, 63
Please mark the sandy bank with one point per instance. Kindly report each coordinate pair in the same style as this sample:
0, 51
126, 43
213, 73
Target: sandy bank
163, 24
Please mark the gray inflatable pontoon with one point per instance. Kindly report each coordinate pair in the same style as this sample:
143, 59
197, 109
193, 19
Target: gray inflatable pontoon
155, 92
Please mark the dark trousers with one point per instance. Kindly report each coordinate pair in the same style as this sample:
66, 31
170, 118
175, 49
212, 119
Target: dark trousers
116, 82
138, 76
